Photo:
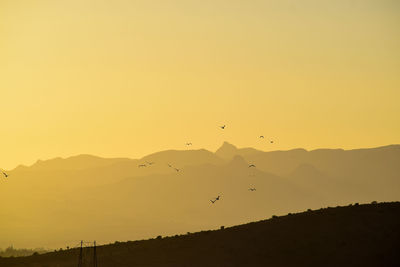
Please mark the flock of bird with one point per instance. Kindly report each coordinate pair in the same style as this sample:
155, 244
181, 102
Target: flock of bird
177, 170
252, 189
145, 164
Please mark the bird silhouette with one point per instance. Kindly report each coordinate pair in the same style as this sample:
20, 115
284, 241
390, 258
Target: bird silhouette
176, 169
222, 127
5, 174
271, 141
252, 165
188, 144
252, 189
261, 136
215, 199
141, 165
169, 165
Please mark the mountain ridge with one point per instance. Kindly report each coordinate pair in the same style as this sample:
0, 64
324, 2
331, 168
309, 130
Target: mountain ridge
235, 151
173, 193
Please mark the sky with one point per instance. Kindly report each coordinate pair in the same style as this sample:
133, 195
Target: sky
126, 78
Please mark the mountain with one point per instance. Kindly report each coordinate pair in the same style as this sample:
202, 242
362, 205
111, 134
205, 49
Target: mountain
228, 151
355, 235
55, 202
187, 157
79, 162
360, 173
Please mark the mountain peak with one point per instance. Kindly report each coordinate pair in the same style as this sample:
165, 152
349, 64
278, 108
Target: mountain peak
227, 151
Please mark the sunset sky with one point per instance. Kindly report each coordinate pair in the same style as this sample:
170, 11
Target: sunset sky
127, 78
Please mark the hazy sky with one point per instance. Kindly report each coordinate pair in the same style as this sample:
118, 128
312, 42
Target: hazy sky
127, 78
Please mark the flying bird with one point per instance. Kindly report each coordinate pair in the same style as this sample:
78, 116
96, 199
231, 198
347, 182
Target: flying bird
252, 189
222, 127
215, 199
169, 165
176, 169
5, 174
261, 136
252, 165
271, 141
142, 165
188, 144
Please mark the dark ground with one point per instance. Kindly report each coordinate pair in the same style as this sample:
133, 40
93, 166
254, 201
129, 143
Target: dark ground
358, 235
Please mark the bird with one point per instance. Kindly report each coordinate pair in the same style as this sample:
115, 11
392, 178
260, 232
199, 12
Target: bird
252, 189
271, 141
252, 165
169, 165
215, 199
222, 127
261, 136
141, 165
188, 144
5, 174
176, 169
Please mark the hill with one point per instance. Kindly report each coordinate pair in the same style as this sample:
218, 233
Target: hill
355, 235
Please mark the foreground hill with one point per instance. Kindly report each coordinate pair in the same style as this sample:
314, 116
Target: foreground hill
358, 235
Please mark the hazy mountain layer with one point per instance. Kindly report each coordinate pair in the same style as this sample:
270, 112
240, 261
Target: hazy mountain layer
56, 202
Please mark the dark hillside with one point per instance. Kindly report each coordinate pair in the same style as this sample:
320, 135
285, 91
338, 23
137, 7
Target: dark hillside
357, 235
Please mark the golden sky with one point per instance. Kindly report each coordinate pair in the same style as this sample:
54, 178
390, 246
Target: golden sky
127, 78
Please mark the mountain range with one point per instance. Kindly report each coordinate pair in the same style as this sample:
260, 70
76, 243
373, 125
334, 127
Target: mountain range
56, 202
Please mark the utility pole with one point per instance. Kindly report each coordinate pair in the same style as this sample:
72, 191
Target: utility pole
88, 244
80, 255
94, 254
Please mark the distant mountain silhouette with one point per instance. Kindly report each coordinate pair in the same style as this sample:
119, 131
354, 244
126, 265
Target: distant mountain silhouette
355, 235
79, 162
69, 195
184, 157
228, 151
